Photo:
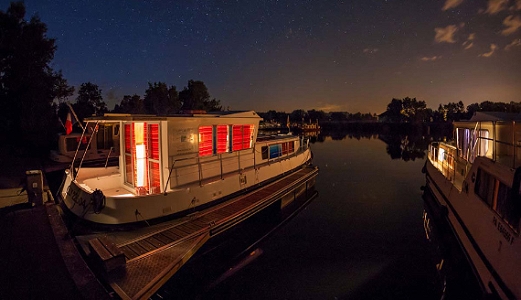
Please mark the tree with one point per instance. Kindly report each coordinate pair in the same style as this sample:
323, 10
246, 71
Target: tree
394, 111
89, 101
131, 105
196, 97
452, 111
161, 100
299, 115
28, 85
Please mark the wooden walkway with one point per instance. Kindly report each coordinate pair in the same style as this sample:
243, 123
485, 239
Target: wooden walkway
139, 262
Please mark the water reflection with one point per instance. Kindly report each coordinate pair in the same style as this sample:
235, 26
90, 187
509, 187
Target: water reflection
209, 273
403, 141
455, 277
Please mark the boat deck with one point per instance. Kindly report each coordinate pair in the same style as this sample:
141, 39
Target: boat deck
153, 254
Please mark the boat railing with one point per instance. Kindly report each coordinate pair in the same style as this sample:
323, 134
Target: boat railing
108, 156
445, 158
189, 169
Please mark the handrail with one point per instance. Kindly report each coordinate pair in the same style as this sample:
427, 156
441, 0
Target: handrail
108, 156
94, 133
222, 159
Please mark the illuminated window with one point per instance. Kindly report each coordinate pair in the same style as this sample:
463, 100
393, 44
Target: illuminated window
153, 141
242, 137
153, 158
205, 140
129, 165
223, 138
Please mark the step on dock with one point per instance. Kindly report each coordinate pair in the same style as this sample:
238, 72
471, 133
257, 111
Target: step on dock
137, 263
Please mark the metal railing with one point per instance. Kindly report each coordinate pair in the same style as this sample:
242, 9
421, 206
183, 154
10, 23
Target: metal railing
223, 162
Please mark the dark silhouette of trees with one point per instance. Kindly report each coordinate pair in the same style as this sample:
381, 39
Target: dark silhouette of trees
89, 101
161, 100
131, 105
299, 115
408, 110
28, 84
196, 97
451, 111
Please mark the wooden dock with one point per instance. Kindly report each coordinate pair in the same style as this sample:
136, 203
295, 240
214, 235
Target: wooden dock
137, 263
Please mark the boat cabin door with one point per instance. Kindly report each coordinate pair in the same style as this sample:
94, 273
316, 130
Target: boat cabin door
141, 156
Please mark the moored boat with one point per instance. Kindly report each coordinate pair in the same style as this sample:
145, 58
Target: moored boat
474, 182
103, 147
171, 166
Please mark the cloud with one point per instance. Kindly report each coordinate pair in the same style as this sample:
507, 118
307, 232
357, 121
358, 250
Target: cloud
512, 24
468, 43
515, 43
370, 50
451, 4
327, 107
493, 48
445, 34
433, 58
495, 6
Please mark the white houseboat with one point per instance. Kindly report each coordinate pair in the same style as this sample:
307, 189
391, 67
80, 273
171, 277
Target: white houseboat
170, 166
475, 184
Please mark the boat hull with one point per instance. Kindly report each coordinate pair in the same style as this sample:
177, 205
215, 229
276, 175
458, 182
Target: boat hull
124, 209
479, 231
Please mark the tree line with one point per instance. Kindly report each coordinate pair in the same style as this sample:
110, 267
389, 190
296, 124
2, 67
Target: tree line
406, 110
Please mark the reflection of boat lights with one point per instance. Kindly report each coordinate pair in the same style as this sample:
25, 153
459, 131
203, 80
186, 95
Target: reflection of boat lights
441, 155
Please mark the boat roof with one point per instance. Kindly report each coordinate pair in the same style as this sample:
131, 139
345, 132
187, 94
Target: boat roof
489, 116
185, 114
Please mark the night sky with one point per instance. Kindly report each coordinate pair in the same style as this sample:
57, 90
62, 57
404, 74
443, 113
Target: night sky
350, 56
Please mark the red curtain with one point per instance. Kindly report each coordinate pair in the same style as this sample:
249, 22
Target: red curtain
205, 140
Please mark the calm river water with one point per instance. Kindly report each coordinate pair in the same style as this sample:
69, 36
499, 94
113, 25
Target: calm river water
361, 238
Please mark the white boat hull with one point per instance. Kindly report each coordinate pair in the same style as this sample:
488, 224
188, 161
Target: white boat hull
491, 250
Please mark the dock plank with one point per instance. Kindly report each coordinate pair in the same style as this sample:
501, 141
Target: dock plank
129, 253
142, 277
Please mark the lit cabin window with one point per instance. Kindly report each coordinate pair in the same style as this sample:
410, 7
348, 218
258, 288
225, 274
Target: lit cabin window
242, 137
129, 166
472, 143
205, 140
223, 138
153, 158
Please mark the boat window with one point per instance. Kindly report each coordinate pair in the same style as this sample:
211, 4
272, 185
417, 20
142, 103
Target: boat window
242, 137
205, 140
498, 197
275, 151
153, 158
264, 151
472, 143
223, 139
463, 141
485, 186
129, 167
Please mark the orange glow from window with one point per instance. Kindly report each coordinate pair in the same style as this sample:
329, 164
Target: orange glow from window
140, 154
